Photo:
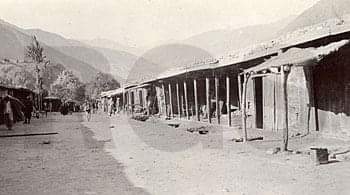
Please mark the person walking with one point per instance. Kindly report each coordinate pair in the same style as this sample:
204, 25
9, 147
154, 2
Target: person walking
8, 113
28, 109
87, 109
46, 108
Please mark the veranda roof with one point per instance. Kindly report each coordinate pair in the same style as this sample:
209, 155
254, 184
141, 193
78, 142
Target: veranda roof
113, 92
299, 57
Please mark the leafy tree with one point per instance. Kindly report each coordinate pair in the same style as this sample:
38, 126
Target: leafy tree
35, 51
50, 74
15, 75
68, 86
101, 82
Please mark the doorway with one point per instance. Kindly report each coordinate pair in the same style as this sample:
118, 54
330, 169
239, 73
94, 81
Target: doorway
258, 102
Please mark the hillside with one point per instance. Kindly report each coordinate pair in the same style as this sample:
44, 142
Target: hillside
52, 39
14, 41
72, 48
120, 62
223, 41
320, 12
109, 44
105, 59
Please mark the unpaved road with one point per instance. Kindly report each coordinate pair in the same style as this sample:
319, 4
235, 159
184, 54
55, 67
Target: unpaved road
121, 156
73, 162
167, 160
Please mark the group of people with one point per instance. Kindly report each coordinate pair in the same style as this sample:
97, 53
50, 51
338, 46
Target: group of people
110, 106
13, 110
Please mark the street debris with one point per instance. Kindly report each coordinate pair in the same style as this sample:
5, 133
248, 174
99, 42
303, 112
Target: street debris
46, 142
320, 155
175, 125
273, 150
249, 139
201, 130
142, 118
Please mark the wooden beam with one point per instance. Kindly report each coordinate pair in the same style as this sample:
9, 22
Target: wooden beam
217, 82
186, 100
244, 107
284, 111
178, 100
196, 99
239, 91
228, 101
207, 85
262, 75
171, 100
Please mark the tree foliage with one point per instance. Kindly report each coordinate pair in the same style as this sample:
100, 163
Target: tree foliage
68, 86
101, 82
35, 51
18, 76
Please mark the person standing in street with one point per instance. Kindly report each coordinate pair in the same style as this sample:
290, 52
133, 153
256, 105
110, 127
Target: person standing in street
46, 108
8, 113
28, 109
87, 109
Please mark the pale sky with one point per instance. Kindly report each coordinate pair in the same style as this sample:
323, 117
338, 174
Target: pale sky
144, 22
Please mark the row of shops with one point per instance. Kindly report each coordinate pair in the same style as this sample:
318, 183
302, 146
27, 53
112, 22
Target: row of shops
19, 93
301, 84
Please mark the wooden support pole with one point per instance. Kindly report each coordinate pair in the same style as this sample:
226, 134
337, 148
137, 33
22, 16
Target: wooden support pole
228, 101
186, 100
207, 85
196, 99
171, 101
239, 91
178, 100
217, 104
244, 108
123, 101
284, 113
130, 102
182, 105
165, 103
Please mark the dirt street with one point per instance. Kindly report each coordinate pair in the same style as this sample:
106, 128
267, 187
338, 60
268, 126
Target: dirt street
117, 155
72, 163
168, 160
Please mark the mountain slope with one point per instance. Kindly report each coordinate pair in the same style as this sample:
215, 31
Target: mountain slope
13, 43
72, 48
52, 39
109, 44
120, 62
321, 11
115, 62
220, 42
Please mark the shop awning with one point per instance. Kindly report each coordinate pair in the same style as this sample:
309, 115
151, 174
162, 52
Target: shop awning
299, 57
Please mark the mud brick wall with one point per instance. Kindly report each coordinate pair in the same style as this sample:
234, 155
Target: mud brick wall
332, 94
301, 115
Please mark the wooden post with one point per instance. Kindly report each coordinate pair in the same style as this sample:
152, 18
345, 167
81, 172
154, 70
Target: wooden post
239, 91
123, 101
130, 102
284, 113
228, 101
178, 100
217, 99
170, 101
244, 108
186, 100
196, 99
165, 104
207, 85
